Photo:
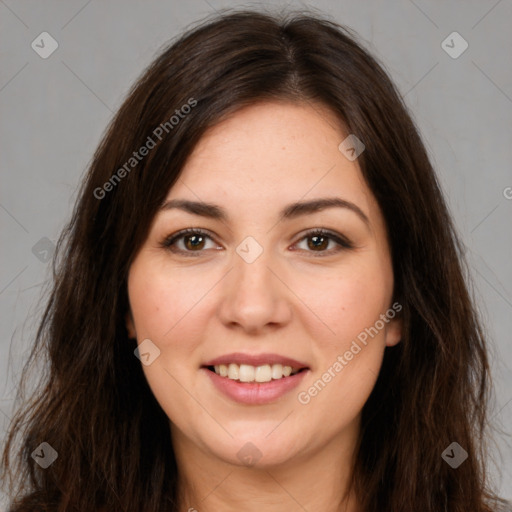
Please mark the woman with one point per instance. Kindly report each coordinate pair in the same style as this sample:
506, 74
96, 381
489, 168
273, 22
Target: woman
260, 300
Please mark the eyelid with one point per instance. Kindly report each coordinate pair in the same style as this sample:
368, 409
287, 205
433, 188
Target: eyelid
342, 241
168, 241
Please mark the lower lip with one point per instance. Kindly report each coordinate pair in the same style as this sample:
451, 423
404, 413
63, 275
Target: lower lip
255, 393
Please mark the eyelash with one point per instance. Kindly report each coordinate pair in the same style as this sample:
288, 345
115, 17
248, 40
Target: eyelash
343, 243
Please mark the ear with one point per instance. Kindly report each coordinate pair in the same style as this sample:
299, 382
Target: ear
394, 331
130, 325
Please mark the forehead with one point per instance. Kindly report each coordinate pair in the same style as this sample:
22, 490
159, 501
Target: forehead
272, 154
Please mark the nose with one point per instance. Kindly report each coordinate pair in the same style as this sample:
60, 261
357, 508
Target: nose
255, 297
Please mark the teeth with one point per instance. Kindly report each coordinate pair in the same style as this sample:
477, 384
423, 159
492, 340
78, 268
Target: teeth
263, 373
233, 371
277, 371
248, 373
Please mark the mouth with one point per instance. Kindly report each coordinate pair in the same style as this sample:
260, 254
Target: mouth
246, 373
255, 379
255, 368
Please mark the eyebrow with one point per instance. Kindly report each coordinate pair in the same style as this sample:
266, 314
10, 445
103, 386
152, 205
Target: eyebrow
289, 212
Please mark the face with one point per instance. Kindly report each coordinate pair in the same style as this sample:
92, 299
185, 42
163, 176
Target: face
259, 285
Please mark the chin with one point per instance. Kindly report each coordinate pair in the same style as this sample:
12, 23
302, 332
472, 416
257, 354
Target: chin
257, 451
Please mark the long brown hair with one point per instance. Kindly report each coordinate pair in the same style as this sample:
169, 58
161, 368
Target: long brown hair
94, 406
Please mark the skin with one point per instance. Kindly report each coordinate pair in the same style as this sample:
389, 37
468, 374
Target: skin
295, 300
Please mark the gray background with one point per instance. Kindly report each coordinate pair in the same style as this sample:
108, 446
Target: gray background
54, 110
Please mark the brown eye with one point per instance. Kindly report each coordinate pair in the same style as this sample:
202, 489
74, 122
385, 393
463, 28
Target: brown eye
319, 240
188, 241
191, 241
194, 241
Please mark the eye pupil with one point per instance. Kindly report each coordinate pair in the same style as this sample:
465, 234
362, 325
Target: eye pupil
193, 241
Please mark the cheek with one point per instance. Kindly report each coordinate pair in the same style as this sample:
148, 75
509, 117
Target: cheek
159, 301
162, 305
351, 354
350, 302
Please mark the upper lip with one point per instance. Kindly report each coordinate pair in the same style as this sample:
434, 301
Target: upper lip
256, 360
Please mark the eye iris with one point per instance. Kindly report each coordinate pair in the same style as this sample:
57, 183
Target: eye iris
199, 239
316, 244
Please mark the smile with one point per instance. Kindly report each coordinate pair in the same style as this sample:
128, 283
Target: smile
254, 379
249, 373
